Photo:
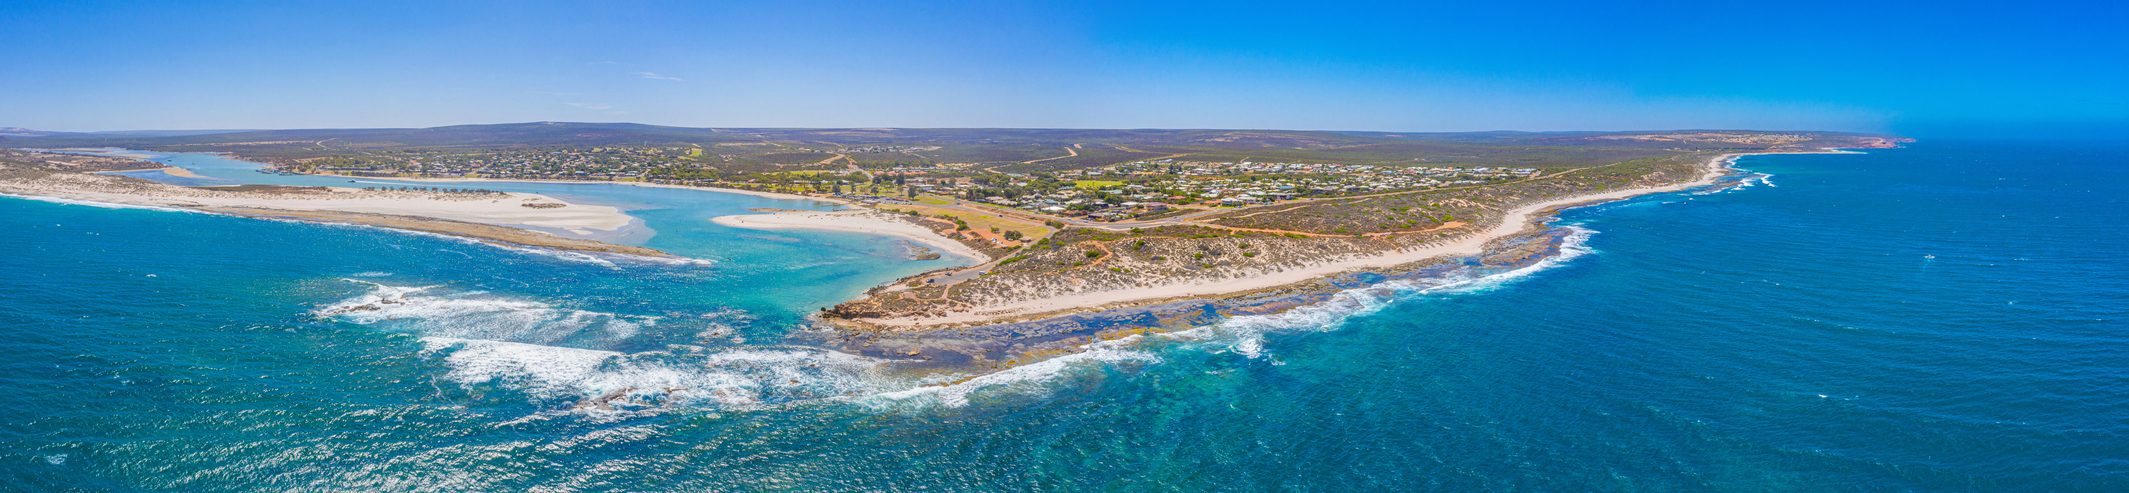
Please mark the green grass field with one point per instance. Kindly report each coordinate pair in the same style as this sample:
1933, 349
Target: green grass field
1089, 184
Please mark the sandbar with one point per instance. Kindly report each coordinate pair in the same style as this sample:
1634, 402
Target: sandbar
496, 216
852, 221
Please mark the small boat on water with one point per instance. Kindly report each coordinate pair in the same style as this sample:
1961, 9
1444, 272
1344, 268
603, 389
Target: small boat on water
1929, 256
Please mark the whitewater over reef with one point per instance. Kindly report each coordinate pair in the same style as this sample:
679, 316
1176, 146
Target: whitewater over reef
556, 355
1941, 317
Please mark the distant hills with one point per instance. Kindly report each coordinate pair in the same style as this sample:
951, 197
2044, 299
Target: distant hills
568, 134
24, 132
1005, 149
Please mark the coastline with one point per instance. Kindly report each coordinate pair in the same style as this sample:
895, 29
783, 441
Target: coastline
1514, 222
756, 193
864, 221
504, 236
503, 218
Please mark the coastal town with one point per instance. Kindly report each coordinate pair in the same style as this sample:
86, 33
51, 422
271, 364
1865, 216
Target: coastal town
1141, 188
1108, 193
1045, 221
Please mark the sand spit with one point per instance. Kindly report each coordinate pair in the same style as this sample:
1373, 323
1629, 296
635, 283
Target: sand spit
853, 221
487, 216
484, 232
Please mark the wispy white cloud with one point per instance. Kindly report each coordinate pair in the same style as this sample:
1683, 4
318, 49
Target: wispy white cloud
591, 106
648, 75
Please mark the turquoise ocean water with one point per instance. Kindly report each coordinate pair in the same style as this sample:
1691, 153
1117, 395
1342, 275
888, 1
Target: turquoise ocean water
1945, 317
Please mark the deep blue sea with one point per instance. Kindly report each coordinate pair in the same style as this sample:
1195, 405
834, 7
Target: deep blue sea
1944, 317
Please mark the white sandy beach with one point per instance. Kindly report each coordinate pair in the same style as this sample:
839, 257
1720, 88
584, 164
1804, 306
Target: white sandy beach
1514, 222
853, 221
497, 209
505, 209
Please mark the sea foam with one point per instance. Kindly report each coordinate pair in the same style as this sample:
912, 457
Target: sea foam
614, 381
1031, 378
1244, 335
490, 341
473, 315
554, 354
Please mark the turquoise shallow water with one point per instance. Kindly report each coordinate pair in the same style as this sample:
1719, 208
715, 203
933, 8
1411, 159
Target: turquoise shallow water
1789, 335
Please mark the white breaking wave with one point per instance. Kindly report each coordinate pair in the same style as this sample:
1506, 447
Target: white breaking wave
1575, 244
1739, 184
474, 316
1244, 335
467, 332
1033, 377
488, 340
613, 381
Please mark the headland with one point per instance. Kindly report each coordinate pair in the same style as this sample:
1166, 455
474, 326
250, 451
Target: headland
1098, 222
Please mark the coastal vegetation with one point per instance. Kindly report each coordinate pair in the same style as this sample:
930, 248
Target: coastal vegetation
1062, 220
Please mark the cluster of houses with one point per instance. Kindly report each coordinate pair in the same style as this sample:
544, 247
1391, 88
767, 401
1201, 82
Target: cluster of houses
595, 164
1368, 175
1722, 137
885, 149
1216, 184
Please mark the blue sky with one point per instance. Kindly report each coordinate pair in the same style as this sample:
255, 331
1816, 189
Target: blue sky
1915, 67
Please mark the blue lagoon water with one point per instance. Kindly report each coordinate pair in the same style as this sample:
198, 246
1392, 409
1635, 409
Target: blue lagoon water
1945, 317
